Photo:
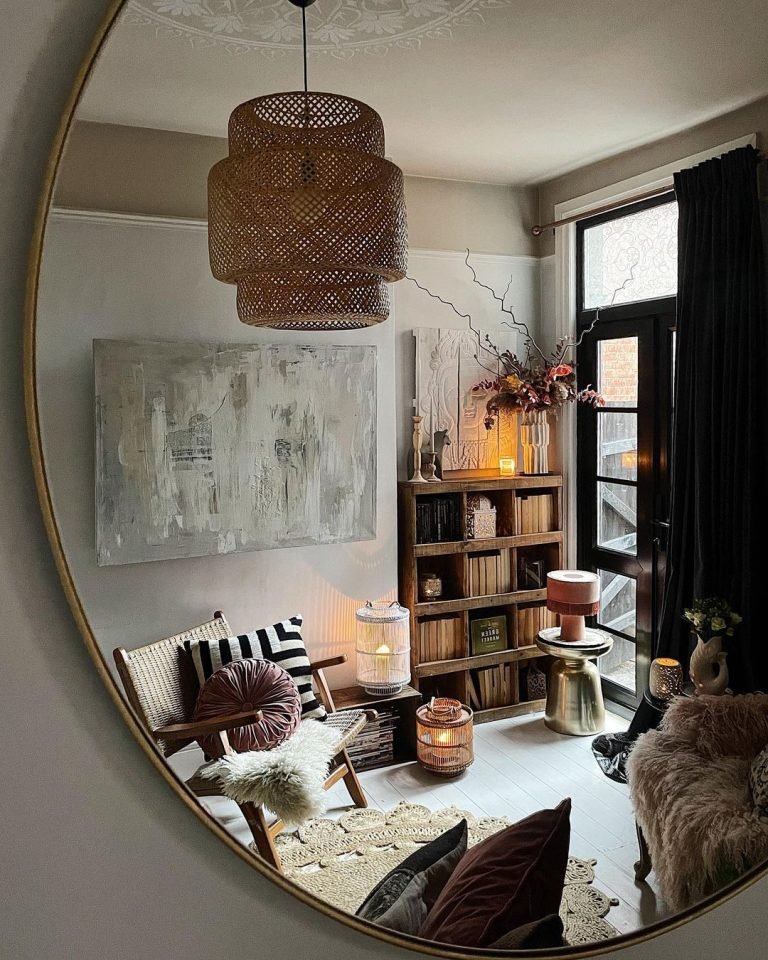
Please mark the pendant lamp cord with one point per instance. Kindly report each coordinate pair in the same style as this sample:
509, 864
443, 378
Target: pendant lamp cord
304, 37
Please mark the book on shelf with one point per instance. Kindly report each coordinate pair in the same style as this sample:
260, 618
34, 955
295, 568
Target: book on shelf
530, 620
489, 573
437, 520
491, 687
534, 513
440, 638
488, 634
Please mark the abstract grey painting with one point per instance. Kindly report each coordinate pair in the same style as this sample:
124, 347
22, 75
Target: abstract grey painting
207, 449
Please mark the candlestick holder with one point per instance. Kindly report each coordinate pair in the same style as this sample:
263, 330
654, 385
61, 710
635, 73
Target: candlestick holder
417, 477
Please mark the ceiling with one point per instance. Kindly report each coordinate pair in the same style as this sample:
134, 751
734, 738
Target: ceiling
500, 91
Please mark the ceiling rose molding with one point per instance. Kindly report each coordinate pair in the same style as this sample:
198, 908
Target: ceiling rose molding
337, 28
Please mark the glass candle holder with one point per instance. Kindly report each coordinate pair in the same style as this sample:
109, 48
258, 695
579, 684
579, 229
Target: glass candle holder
666, 678
383, 647
507, 466
430, 586
444, 737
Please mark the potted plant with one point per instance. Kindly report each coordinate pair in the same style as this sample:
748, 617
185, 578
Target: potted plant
711, 620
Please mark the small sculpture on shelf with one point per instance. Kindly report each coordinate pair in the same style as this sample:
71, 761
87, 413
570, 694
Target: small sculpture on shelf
428, 466
440, 440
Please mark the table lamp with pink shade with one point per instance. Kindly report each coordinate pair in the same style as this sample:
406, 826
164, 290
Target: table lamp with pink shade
574, 594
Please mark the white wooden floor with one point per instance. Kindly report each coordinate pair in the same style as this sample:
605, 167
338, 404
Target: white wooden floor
520, 767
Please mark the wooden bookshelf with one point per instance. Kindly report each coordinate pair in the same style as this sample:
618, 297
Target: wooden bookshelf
473, 572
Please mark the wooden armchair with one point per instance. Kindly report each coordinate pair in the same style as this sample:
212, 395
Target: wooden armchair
161, 686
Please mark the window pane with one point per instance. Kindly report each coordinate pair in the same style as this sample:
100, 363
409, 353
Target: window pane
617, 445
642, 245
617, 371
617, 602
617, 517
619, 664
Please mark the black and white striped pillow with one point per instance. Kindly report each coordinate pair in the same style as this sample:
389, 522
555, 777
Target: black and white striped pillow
281, 643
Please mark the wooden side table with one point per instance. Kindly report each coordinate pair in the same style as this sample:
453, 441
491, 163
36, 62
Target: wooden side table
401, 706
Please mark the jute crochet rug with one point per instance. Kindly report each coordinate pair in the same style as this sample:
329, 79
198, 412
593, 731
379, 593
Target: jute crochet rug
340, 861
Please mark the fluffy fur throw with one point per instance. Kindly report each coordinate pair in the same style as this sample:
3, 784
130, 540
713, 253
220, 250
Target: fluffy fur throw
287, 779
690, 791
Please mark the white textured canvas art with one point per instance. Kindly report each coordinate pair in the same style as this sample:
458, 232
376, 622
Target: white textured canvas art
447, 369
210, 449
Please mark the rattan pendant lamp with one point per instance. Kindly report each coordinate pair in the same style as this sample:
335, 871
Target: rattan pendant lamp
306, 215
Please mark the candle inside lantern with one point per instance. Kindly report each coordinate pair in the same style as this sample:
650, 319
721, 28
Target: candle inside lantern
381, 662
507, 466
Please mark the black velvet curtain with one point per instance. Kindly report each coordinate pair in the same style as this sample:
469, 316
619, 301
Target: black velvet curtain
718, 543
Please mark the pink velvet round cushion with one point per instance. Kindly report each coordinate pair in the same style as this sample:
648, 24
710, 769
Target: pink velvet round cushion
250, 684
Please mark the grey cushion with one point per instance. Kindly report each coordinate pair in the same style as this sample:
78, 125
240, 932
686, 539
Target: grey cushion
402, 900
758, 782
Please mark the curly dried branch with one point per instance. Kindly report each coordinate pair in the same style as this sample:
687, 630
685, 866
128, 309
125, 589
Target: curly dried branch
490, 348
515, 324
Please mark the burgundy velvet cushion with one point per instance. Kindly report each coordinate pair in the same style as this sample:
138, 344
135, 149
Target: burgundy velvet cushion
250, 685
513, 878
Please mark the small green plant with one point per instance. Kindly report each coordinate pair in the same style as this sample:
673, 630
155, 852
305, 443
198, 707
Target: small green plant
712, 617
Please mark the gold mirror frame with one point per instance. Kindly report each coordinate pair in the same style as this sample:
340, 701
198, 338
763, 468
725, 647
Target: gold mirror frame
81, 620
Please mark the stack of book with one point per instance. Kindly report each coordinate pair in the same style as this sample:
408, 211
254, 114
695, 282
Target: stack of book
374, 746
530, 620
438, 520
441, 639
534, 513
489, 573
494, 686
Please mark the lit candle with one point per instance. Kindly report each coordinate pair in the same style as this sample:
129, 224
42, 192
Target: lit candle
507, 466
381, 662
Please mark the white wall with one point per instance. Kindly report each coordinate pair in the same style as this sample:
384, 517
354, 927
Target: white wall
142, 279
100, 861
447, 275
135, 279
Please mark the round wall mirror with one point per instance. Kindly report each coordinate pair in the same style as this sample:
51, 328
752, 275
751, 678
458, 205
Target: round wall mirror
362, 683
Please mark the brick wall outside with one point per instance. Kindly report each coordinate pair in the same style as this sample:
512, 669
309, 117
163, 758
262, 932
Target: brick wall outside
618, 371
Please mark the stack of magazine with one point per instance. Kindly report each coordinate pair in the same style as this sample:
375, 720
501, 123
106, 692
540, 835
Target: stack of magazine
374, 746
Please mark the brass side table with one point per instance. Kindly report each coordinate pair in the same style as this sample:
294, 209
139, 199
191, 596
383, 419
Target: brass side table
575, 705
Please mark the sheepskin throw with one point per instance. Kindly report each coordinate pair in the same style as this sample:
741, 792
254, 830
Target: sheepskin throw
758, 782
689, 783
288, 780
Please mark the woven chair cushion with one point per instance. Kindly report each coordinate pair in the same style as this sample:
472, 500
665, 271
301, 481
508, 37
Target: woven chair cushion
348, 723
250, 684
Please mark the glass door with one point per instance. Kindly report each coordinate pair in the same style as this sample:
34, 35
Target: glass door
622, 448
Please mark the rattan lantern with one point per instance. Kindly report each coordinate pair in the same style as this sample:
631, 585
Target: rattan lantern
444, 737
305, 215
383, 647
